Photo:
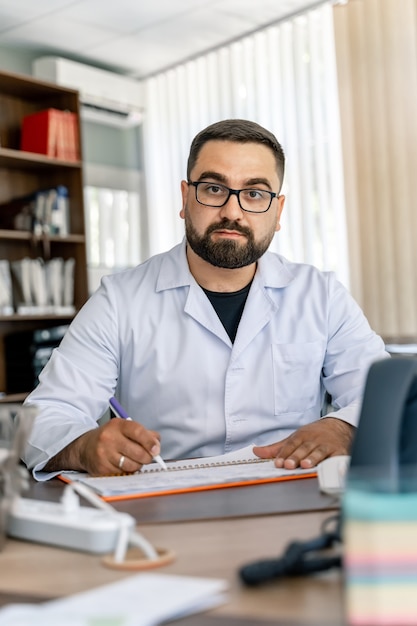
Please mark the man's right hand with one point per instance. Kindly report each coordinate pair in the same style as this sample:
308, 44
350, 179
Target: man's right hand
99, 451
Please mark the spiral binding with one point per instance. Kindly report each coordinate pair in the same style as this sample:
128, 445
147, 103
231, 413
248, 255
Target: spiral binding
150, 469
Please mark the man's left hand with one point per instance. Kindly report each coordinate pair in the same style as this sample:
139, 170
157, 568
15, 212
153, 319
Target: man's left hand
310, 444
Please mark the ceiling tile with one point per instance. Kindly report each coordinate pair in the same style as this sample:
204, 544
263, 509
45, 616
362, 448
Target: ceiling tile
126, 16
55, 32
267, 11
145, 52
17, 12
137, 37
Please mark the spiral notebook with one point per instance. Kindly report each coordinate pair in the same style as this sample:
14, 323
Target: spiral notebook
238, 468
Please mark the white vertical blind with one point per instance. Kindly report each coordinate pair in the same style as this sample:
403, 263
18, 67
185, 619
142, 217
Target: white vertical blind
283, 77
112, 218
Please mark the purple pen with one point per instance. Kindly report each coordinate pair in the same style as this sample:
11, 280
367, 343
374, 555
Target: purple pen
118, 409
120, 412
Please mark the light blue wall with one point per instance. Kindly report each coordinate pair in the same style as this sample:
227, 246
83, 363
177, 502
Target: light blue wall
106, 145
16, 60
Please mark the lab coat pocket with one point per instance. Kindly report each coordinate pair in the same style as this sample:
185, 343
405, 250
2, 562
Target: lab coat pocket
297, 370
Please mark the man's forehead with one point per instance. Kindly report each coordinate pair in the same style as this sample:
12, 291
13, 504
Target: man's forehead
222, 145
238, 159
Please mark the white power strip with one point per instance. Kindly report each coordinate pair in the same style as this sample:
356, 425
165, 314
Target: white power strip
77, 527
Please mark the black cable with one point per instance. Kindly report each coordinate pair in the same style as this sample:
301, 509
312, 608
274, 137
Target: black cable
336, 520
299, 558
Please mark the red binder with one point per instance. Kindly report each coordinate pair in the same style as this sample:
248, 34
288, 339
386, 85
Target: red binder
51, 132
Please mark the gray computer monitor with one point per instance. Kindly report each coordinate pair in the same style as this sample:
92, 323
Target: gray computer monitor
384, 449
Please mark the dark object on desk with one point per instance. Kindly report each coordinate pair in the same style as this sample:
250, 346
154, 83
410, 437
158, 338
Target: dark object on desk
383, 456
300, 558
384, 451
27, 352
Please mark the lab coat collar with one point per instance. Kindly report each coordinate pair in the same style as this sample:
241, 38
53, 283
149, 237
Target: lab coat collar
174, 271
273, 270
273, 273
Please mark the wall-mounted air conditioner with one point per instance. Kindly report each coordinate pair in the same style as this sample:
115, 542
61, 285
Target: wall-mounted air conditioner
105, 97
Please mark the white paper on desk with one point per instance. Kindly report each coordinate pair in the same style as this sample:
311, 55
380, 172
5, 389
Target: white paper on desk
401, 348
141, 600
239, 466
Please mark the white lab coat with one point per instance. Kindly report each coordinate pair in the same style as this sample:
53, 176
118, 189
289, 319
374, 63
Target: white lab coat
151, 337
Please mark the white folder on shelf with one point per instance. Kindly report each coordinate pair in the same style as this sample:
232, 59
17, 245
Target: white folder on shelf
68, 281
21, 274
38, 283
6, 291
54, 271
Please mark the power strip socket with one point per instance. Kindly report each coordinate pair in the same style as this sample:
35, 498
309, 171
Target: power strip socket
80, 528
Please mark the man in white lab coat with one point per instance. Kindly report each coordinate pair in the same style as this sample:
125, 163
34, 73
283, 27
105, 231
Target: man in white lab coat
213, 345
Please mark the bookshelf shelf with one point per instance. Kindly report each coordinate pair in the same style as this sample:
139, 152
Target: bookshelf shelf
30, 160
23, 174
17, 317
24, 235
13, 398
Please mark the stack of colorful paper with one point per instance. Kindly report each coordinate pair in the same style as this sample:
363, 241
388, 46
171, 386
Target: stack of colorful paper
380, 558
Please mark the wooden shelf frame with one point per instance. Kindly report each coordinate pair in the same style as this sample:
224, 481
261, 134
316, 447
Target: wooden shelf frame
24, 173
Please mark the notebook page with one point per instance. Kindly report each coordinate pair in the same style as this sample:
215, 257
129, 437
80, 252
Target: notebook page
243, 455
187, 478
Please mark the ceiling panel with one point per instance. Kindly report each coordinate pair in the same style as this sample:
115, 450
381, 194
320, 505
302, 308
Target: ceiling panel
16, 12
58, 33
266, 10
136, 37
126, 16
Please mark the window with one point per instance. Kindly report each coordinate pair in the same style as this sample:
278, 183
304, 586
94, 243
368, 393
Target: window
283, 77
113, 221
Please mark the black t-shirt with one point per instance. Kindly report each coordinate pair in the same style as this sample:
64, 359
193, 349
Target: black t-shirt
229, 307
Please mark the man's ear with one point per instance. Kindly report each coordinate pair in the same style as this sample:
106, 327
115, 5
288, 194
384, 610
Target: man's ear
281, 202
184, 194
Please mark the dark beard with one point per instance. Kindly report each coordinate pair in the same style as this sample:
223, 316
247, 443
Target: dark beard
226, 253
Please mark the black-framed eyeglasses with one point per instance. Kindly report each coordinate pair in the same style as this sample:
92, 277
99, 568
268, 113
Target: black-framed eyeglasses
252, 200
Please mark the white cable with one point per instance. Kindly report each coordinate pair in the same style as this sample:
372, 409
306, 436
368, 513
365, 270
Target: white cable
122, 543
124, 539
137, 540
70, 501
91, 496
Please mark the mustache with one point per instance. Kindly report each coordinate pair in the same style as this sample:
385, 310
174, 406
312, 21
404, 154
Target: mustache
226, 224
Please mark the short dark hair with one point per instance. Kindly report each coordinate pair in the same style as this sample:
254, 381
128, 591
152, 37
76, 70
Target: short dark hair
240, 131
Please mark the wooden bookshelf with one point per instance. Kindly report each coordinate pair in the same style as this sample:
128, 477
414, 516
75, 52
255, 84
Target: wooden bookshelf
24, 173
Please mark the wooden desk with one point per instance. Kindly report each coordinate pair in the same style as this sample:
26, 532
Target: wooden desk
293, 496
213, 548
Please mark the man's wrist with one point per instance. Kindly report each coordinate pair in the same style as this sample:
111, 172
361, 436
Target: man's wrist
69, 458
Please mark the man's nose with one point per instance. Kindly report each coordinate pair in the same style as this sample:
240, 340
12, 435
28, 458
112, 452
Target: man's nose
232, 208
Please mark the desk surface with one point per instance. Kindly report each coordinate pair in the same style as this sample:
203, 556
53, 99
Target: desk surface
210, 548
293, 496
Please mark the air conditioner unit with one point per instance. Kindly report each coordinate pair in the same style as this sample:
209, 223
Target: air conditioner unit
105, 97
